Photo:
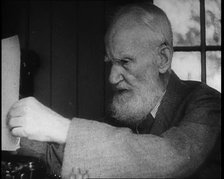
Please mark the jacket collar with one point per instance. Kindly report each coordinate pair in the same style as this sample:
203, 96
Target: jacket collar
172, 98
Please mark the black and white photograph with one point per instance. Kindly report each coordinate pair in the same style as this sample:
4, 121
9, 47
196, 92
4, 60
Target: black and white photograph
111, 89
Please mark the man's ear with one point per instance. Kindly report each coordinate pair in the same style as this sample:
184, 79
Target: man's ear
165, 57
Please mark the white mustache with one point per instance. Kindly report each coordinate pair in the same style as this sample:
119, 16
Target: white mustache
120, 87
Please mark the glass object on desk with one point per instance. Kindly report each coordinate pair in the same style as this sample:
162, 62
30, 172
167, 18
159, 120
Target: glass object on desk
213, 69
185, 20
213, 22
187, 65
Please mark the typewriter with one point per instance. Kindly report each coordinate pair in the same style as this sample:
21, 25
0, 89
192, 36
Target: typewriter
14, 166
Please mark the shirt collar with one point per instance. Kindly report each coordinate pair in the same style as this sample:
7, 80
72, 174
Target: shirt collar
155, 109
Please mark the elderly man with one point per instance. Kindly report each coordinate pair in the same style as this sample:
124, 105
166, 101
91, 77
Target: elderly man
159, 125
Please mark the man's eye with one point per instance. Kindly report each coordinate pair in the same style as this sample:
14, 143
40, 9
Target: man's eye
124, 61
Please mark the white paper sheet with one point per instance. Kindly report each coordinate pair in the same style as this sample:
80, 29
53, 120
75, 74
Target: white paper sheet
10, 87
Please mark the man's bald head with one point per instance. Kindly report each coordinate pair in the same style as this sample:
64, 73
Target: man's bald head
145, 14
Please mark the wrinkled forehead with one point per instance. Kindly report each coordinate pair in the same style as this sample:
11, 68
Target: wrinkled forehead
127, 39
128, 34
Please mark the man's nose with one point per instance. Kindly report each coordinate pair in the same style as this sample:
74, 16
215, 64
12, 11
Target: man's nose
115, 74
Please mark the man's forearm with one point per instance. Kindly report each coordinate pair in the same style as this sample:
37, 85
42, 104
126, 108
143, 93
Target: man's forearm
106, 151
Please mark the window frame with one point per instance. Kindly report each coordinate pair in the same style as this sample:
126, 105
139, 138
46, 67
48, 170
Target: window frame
202, 48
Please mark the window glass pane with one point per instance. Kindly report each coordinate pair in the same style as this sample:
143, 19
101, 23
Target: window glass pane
213, 69
213, 22
187, 65
185, 20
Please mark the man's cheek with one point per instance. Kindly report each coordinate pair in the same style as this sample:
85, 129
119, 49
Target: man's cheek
130, 77
139, 76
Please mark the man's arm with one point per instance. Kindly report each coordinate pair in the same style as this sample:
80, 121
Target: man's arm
42, 131
107, 151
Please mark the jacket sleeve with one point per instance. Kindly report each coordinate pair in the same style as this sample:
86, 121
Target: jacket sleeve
49, 153
107, 151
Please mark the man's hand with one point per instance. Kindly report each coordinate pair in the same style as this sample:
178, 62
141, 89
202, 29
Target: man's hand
29, 118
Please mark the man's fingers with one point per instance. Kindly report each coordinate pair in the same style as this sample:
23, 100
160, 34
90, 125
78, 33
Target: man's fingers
20, 103
16, 112
18, 132
16, 122
20, 106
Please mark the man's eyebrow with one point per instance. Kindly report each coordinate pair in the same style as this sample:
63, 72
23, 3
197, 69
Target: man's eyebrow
108, 58
129, 57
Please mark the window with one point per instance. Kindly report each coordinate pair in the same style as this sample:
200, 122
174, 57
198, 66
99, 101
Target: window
196, 27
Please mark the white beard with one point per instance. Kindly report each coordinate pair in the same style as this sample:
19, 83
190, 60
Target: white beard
133, 106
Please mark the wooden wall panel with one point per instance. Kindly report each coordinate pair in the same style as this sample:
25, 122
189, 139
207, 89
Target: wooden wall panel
23, 24
40, 42
15, 20
68, 36
9, 18
64, 58
91, 59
